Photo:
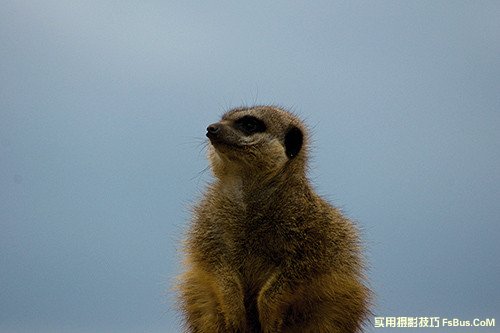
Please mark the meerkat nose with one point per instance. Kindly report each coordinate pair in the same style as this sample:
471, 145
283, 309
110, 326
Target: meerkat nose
213, 128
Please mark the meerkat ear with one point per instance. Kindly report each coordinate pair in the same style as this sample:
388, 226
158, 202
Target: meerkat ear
293, 141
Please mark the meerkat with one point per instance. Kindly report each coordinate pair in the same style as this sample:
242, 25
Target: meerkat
264, 252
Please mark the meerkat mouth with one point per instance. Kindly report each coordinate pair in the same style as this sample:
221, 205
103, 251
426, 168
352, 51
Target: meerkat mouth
218, 142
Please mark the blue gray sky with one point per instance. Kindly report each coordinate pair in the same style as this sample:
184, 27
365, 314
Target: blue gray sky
103, 109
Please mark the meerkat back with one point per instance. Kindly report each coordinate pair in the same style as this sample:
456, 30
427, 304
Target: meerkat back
264, 252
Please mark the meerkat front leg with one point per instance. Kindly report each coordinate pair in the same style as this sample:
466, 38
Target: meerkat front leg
272, 301
212, 301
230, 297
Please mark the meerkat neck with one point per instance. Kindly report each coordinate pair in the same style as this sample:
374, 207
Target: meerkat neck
251, 188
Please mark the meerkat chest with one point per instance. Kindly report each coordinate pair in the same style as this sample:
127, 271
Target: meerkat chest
252, 234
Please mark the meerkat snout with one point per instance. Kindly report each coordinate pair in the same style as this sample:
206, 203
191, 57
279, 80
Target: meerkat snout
213, 129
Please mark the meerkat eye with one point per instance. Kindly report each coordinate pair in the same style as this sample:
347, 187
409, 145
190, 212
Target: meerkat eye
250, 125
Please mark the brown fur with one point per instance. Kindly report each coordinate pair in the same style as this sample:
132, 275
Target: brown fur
264, 252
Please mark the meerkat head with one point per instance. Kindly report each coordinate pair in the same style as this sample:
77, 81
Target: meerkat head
261, 141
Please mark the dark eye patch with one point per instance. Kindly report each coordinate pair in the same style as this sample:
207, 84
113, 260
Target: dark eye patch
250, 125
